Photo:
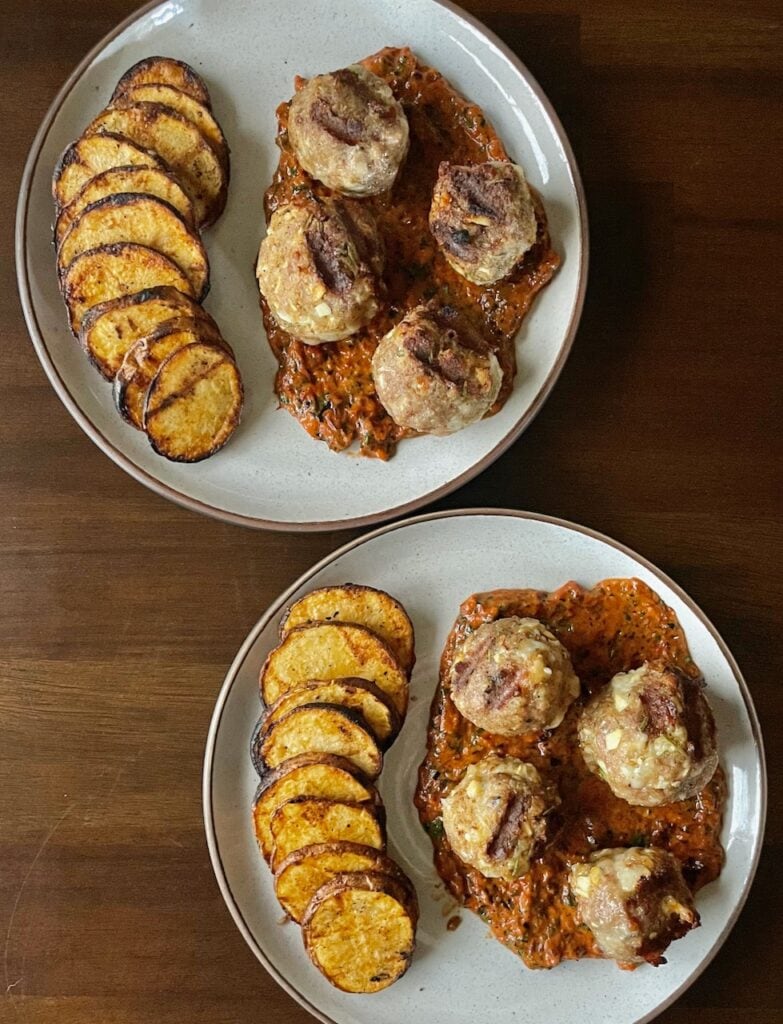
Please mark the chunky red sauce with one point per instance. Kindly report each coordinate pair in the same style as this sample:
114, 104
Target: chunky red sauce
329, 387
612, 628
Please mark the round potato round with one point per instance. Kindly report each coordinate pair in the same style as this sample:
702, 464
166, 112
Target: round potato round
348, 131
483, 218
495, 818
513, 676
319, 269
650, 735
430, 377
634, 901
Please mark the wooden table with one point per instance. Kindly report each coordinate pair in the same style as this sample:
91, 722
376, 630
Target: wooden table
119, 613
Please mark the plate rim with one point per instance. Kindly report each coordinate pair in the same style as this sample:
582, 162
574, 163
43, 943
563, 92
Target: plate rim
170, 492
274, 608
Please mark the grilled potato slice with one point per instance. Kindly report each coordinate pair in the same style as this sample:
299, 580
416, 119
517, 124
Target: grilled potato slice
320, 775
366, 606
307, 820
360, 930
109, 329
199, 114
327, 650
165, 70
360, 695
109, 271
147, 180
304, 871
180, 144
194, 403
92, 154
320, 729
143, 219
146, 356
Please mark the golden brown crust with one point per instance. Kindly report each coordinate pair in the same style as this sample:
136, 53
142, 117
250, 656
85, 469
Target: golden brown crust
194, 403
90, 155
110, 271
367, 606
304, 821
180, 144
359, 930
333, 650
146, 220
164, 70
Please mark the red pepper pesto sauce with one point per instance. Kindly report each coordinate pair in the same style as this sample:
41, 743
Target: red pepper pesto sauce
612, 628
329, 387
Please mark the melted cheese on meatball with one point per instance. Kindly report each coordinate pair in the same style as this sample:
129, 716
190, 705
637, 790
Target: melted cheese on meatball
348, 131
495, 817
650, 735
483, 218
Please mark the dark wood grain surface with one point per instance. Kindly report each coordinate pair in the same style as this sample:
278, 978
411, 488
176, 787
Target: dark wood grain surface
119, 612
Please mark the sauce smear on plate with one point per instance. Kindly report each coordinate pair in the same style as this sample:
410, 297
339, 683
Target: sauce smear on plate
329, 387
612, 628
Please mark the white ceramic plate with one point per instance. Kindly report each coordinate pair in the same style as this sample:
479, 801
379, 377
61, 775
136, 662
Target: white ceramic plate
431, 564
272, 474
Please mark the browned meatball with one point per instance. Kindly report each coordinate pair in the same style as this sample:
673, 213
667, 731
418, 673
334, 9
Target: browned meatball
319, 269
483, 218
348, 131
650, 735
634, 901
434, 377
495, 818
513, 676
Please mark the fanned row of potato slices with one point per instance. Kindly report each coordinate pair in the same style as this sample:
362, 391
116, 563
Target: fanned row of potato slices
132, 195
335, 693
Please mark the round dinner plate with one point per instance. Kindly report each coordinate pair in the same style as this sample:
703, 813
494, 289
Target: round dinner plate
272, 474
431, 564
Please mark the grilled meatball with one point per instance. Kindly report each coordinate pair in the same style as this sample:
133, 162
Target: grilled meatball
433, 375
651, 736
348, 131
635, 902
319, 269
513, 676
482, 217
495, 818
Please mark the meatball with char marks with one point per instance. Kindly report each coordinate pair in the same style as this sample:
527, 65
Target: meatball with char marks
319, 269
513, 676
634, 901
482, 217
433, 374
495, 818
348, 131
650, 735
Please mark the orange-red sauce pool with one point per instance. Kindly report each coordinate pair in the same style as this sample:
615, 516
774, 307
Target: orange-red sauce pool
329, 387
612, 628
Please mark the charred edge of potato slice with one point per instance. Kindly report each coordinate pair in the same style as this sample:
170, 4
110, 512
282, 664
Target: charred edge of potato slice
304, 871
90, 155
122, 180
165, 71
306, 820
323, 729
194, 403
179, 143
358, 694
325, 650
359, 930
109, 329
146, 356
324, 775
109, 271
170, 96
146, 220
355, 602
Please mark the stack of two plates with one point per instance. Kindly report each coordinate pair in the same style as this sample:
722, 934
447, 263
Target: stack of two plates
271, 476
